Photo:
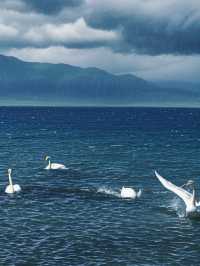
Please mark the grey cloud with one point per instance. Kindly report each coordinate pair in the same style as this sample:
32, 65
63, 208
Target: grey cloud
51, 6
150, 27
76, 34
16, 5
106, 33
21, 29
143, 26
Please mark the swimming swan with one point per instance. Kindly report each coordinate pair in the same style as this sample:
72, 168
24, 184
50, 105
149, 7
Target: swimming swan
53, 166
10, 189
188, 198
130, 193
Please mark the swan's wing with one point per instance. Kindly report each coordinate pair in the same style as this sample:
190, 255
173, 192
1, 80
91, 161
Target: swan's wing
182, 193
9, 189
17, 188
56, 165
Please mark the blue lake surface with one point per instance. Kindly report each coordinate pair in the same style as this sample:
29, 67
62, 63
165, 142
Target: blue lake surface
76, 216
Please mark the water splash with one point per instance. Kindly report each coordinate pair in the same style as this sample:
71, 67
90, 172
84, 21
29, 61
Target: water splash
108, 191
177, 205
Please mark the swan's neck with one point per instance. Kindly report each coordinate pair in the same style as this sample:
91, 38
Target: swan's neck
139, 193
49, 165
191, 207
10, 181
194, 197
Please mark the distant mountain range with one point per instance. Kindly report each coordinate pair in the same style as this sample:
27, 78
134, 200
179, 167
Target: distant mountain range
25, 83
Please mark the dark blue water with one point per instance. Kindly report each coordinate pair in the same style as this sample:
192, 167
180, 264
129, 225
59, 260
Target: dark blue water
76, 216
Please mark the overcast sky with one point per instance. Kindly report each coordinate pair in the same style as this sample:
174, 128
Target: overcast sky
154, 39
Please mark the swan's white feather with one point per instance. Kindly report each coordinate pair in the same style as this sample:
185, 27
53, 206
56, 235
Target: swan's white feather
12, 189
186, 196
182, 193
57, 166
127, 192
54, 166
17, 188
9, 189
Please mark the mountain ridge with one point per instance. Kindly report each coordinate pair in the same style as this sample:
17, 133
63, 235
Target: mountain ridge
62, 84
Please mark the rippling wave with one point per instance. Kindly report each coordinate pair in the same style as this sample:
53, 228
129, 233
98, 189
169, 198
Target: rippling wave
76, 217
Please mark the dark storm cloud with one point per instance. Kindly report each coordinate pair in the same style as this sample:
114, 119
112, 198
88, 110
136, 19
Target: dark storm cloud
150, 38
150, 26
51, 6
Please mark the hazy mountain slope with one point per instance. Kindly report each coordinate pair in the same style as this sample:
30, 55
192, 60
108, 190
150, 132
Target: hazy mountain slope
60, 83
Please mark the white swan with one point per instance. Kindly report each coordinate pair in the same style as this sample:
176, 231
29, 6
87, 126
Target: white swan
10, 189
53, 166
130, 193
188, 198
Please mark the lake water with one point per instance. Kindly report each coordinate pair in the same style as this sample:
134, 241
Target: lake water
76, 216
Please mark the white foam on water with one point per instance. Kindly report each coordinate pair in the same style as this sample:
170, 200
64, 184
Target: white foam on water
116, 145
108, 191
160, 192
91, 147
177, 205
